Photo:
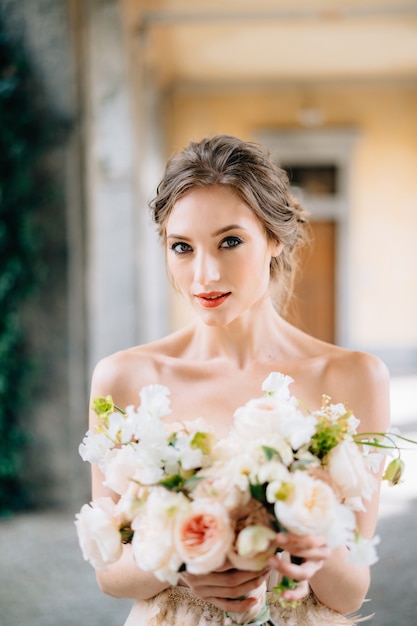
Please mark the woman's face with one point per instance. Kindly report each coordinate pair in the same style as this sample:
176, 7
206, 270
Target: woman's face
218, 254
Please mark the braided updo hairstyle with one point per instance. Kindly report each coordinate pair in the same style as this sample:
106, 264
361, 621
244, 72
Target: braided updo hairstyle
250, 171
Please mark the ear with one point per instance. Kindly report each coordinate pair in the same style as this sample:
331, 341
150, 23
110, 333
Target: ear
276, 248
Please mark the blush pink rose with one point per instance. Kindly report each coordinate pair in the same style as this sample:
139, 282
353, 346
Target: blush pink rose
203, 536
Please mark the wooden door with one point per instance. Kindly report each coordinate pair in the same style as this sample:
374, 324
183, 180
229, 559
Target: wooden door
313, 304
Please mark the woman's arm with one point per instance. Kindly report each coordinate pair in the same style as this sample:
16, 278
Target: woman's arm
362, 382
123, 579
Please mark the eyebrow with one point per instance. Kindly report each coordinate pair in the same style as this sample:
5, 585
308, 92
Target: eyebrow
225, 229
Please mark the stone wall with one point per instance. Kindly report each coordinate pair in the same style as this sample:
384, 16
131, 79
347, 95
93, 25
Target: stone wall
44, 28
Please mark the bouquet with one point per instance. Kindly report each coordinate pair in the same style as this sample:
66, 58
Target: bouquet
189, 501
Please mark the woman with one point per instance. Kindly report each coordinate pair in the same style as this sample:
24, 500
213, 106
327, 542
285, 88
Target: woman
231, 231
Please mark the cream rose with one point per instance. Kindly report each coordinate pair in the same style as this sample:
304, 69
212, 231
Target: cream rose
350, 473
154, 525
311, 508
266, 417
203, 535
98, 533
219, 486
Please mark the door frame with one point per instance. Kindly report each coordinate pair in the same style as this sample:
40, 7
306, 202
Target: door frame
321, 147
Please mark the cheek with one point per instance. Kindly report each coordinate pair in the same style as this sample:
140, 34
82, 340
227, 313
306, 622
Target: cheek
178, 274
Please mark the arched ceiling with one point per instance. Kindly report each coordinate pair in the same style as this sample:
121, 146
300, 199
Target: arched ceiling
211, 41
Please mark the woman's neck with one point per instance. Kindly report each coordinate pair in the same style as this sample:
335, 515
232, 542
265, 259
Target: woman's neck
252, 337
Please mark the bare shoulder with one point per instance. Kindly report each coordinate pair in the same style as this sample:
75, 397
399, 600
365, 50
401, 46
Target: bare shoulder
362, 382
349, 367
125, 372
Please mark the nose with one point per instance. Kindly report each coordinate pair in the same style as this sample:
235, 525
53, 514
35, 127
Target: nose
206, 269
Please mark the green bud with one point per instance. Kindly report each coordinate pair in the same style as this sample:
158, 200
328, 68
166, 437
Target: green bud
103, 406
394, 471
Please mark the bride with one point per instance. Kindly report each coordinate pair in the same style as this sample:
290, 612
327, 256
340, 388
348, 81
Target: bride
231, 231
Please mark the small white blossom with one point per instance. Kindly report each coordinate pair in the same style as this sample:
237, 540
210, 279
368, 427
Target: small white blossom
94, 447
155, 400
363, 551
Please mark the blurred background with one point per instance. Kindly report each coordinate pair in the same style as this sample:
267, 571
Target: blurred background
94, 96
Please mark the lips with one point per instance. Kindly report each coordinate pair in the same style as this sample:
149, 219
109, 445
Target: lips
212, 299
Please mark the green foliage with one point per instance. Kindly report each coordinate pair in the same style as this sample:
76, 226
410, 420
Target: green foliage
24, 140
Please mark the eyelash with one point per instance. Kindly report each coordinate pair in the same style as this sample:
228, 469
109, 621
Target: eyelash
232, 241
236, 242
180, 244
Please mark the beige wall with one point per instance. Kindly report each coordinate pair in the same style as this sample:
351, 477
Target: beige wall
382, 254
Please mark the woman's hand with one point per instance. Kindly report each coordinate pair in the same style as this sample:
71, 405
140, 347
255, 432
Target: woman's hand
311, 552
226, 587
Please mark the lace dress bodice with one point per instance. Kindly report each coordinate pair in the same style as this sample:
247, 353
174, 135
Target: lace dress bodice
177, 606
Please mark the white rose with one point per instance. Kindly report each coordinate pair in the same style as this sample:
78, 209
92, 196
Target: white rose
223, 483
153, 540
311, 507
203, 536
349, 472
261, 417
98, 533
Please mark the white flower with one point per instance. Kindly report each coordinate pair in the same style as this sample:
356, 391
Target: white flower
311, 507
153, 543
278, 384
363, 551
203, 536
272, 471
193, 448
94, 447
255, 541
373, 459
298, 429
98, 533
120, 428
148, 428
349, 472
353, 424
193, 426
224, 483
132, 500
155, 400
261, 417
123, 464
276, 442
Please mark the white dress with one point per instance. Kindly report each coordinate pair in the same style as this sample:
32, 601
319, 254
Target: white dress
177, 606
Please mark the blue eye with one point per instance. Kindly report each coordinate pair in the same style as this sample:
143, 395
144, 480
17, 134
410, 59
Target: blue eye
180, 247
231, 242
